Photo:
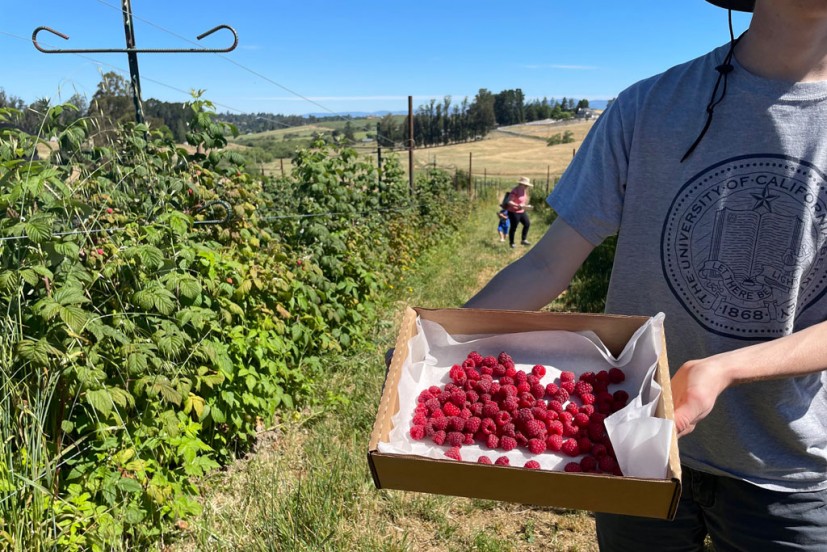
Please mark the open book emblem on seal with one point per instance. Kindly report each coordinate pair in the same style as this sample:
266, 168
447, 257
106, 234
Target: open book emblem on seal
744, 243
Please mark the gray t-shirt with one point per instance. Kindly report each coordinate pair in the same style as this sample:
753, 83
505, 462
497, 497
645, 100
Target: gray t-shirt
731, 245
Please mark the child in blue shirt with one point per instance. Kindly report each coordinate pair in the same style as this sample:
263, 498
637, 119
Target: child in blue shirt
502, 229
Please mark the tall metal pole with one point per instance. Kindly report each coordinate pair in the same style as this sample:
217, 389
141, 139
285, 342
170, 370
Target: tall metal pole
129, 31
410, 145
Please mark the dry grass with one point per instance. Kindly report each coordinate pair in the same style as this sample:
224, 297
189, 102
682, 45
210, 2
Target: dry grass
510, 152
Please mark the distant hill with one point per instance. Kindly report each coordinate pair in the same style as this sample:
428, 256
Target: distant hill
355, 114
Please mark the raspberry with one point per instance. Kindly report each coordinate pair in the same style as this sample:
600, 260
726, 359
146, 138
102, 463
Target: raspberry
439, 437
570, 447
587, 399
483, 386
457, 374
554, 442
456, 423
603, 376
458, 397
484, 460
599, 450
588, 377
572, 408
539, 370
451, 409
562, 396
453, 452
570, 430
537, 390
506, 380
488, 361
616, 375
581, 419
492, 441
566, 376
476, 410
508, 443
502, 461
424, 396
520, 377
573, 467
466, 413
444, 397
504, 358
584, 445
555, 427
472, 374
532, 465
621, 396
502, 418
524, 415
469, 438
607, 464
526, 400
522, 440
475, 358
587, 409
551, 389
508, 429
455, 438
488, 426
486, 370
596, 431
495, 387
566, 417
440, 424
433, 404
419, 419
490, 409
499, 370
510, 404
438, 413
568, 386
510, 371
531, 379
534, 428
508, 390
539, 413
472, 424
536, 446
417, 432
582, 387
524, 387
555, 406
589, 464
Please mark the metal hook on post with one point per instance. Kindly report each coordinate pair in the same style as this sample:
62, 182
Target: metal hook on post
132, 52
135, 50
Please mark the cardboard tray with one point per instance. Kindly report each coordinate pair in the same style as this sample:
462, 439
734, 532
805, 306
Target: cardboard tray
656, 498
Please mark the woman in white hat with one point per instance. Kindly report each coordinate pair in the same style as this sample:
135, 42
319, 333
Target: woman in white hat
517, 204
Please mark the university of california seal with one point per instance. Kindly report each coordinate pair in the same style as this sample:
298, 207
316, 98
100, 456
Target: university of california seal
744, 242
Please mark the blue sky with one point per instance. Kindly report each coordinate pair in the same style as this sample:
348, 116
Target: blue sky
302, 56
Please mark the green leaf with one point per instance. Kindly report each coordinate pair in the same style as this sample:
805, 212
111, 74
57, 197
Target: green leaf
217, 415
129, 485
100, 400
74, 317
70, 295
38, 229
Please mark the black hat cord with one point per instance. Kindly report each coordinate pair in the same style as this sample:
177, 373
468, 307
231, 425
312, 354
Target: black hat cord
723, 70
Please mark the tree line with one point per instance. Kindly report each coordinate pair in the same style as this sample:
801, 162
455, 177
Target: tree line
442, 123
434, 123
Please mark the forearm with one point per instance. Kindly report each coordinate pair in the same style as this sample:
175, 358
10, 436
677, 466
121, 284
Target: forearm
797, 354
697, 385
539, 276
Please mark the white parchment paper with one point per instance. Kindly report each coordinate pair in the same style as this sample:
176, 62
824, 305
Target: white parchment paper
640, 440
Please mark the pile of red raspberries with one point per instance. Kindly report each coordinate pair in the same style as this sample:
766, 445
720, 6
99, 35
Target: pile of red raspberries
491, 403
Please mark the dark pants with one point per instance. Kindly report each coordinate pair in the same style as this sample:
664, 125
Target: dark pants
738, 516
514, 219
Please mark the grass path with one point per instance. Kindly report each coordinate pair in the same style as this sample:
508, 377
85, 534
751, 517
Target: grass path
308, 487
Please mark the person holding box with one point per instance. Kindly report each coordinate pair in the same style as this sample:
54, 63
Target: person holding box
713, 174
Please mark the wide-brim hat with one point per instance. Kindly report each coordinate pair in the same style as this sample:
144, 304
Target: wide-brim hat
525, 182
737, 5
